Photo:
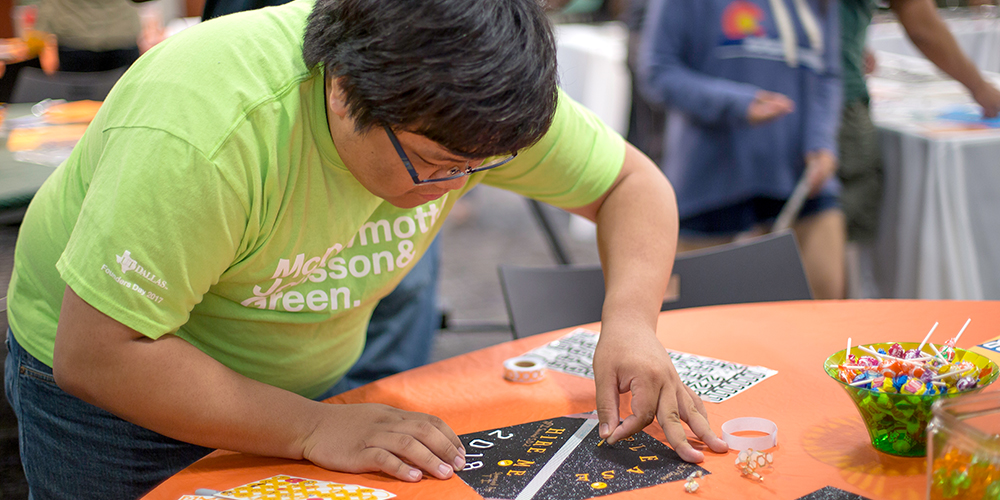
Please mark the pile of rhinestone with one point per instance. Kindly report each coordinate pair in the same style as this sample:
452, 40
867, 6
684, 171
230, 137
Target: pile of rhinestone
691, 485
750, 462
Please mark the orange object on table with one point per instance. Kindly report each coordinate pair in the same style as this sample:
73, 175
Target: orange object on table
823, 441
28, 139
13, 50
72, 112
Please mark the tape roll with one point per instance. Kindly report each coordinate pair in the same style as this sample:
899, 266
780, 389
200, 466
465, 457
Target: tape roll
750, 424
524, 369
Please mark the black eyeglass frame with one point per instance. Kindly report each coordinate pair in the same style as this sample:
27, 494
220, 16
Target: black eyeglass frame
413, 173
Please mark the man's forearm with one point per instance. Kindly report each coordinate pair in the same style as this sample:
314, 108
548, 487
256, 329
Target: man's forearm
171, 387
931, 36
637, 240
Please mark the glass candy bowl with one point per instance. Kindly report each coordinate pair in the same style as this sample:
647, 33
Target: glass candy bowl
897, 422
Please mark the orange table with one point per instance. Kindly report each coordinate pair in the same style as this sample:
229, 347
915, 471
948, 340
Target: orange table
821, 439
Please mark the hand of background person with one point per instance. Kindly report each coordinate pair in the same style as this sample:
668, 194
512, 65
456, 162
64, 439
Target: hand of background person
989, 98
820, 166
870, 61
639, 364
373, 437
767, 106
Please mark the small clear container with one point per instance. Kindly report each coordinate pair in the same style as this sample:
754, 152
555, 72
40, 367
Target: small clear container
963, 448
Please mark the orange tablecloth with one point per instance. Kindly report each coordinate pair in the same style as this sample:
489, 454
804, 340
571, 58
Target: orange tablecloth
821, 439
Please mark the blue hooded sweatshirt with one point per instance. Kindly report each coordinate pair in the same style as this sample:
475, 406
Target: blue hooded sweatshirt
706, 59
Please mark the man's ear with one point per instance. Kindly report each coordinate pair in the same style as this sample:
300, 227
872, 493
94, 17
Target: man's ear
335, 100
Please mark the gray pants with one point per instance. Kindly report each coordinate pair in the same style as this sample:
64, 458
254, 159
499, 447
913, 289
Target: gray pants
860, 172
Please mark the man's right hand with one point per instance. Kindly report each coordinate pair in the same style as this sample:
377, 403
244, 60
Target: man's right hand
989, 98
373, 437
767, 106
171, 387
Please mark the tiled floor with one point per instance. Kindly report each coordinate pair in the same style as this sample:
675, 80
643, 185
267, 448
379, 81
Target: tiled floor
491, 227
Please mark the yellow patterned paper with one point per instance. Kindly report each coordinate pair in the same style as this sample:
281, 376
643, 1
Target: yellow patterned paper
298, 488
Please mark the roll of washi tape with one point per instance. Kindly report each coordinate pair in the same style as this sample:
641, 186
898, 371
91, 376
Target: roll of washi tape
750, 424
524, 369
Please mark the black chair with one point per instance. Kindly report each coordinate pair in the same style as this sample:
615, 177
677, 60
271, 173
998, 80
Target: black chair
764, 269
33, 85
541, 299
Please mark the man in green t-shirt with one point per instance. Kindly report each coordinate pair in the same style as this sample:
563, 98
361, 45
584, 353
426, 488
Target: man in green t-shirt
206, 261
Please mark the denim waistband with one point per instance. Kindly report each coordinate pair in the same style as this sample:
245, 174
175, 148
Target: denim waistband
23, 356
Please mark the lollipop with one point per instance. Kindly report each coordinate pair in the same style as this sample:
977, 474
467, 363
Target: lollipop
896, 370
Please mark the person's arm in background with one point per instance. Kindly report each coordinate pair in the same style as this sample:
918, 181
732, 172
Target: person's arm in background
931, 36
666, 76
637, 238
823, 104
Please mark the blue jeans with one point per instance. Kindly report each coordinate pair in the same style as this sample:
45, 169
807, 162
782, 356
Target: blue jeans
72, 449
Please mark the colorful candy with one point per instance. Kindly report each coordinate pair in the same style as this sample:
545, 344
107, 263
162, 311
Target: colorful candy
893, 374
894, 388
959, 474
896, 351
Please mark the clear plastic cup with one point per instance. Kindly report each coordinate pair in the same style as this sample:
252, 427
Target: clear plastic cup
963, 448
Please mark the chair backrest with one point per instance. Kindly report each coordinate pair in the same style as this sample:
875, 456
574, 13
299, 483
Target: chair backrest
33, 85
541, 299
764, 269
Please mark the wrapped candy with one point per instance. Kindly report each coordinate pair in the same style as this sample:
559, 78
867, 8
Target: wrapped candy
887, 385
966, 383
889, 367
896, 351
914, 386
966, 369
899, 382
868, 361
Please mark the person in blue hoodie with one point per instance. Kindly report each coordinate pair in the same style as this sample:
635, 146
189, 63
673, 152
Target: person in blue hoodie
754, 91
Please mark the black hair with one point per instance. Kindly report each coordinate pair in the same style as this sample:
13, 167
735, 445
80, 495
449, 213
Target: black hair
476, 76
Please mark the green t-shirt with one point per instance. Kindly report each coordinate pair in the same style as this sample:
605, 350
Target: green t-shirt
855, 16
207, 200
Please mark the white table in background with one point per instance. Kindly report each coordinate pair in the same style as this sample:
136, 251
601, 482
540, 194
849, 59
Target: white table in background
978, 37
939, 236
592, 69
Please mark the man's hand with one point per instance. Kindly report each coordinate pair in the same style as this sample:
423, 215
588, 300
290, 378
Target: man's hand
871, 62
636, 236
767, 106
372, 437
820, 166
640, 365
930, 34
989, 98
173, 388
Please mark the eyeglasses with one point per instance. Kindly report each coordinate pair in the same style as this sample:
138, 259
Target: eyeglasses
444, 174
